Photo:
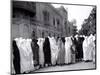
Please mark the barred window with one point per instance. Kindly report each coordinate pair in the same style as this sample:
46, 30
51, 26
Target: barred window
58, 22
54, 21
42, 34
46, 17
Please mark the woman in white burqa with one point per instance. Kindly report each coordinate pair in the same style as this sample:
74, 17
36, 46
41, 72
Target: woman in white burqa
54, 50
26, 55
88, 48
61, 53
41, 54
68, 44
85, 49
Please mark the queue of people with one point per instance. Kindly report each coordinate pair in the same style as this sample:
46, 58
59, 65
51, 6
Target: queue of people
32, 54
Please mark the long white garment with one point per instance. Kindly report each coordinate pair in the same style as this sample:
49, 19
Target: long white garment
54, 50
12, 65
41, 54
57, 49
30, 54
68, 43
94, 49
89, 48
26, 55
85, 49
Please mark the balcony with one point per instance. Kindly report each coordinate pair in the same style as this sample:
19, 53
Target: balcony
30, 6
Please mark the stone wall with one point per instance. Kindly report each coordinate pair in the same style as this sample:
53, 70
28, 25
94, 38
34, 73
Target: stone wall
24, 21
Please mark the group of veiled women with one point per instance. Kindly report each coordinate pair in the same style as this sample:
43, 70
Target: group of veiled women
31, 54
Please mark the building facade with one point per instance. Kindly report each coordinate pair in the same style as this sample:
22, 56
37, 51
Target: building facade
31, 19
69, 28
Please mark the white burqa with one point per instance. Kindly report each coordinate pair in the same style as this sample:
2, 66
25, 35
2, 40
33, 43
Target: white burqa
85, 49
54, 50
26, 55
68, 44
12, 65
89, 48
41, 54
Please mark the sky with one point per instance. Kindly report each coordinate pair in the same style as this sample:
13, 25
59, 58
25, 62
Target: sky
76, 12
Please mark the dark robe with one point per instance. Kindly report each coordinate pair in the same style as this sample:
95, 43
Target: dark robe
79, 48
73, 49
16, 59
35, 50
61, 54
47, 51
63, 40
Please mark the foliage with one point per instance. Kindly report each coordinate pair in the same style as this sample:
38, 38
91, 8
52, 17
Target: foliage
74, 30
89, 24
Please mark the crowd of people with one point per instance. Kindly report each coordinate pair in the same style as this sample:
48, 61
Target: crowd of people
32, 54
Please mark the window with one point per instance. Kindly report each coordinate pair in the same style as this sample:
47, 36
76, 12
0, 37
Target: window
54, 21
65, 23
58, 22
33, 34
54, 34
46, 17
69, 29
26, 30
42, 34
49, 34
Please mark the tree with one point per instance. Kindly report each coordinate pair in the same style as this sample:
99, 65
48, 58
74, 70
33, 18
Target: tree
74, 30
74, 27
89, 24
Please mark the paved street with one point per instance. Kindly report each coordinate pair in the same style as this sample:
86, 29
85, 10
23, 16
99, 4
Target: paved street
76, 66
